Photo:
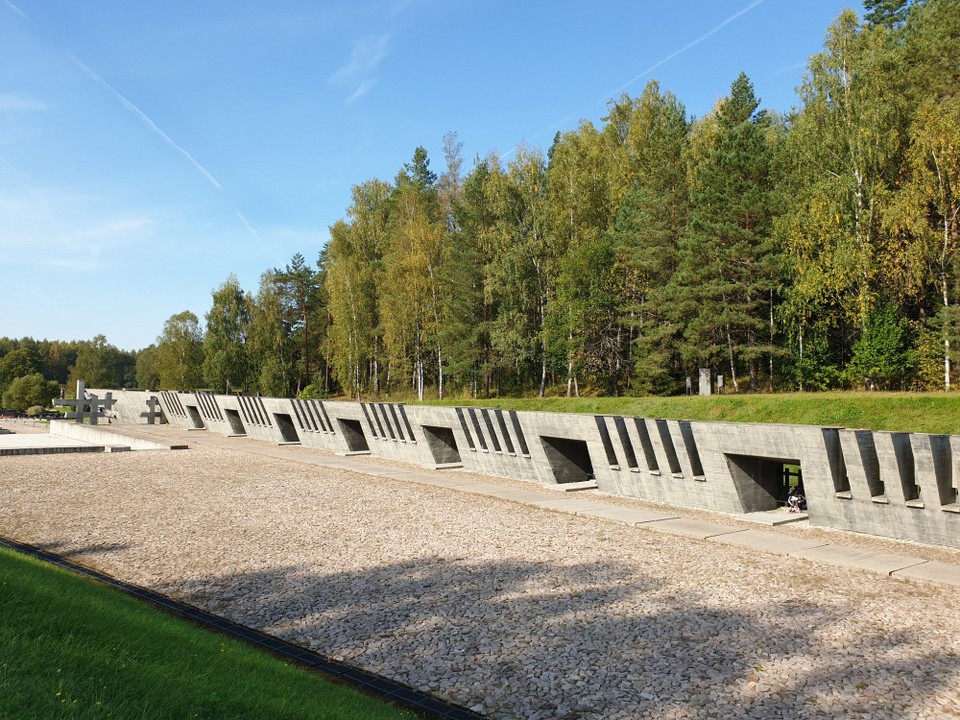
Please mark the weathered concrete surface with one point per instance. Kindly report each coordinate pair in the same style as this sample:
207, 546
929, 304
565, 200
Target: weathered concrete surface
878, 562
770, 542
691, 528
932, 571
896, 485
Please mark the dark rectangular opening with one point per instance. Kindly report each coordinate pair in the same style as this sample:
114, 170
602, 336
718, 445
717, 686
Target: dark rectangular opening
569, 459
466, 430
285, 425
759, 481
194, 414
646, 445
607, 442
667, 441
353, 433
236, 425
442, 444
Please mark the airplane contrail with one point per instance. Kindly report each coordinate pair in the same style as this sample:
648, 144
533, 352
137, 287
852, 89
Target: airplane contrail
146, 120
17, 10
692, 44
713, 31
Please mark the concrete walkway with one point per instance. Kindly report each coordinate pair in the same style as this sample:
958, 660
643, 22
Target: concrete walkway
585, 503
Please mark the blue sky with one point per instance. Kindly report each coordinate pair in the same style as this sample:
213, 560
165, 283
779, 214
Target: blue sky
148, 150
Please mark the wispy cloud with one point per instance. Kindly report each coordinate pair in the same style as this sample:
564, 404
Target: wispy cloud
12, 102
359, 72
147, 121
57, 231
17, 10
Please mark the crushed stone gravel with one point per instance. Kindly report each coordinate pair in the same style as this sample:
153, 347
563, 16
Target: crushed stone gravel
509, 610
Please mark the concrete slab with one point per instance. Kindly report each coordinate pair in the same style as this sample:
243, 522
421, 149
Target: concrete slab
933, 571
772, 518
768, 541
517, 494
41, 444
577, 486
569, 505
691, 528
877, 562
630, 516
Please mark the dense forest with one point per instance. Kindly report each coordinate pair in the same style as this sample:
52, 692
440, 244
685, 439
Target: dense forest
809, 250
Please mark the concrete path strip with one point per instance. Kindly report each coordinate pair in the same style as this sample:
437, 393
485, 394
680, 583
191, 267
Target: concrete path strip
768, 541
934, 571
689, 527
630, 516
878, 562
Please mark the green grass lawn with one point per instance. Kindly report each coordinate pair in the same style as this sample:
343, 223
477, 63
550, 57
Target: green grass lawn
911, 412
73, 648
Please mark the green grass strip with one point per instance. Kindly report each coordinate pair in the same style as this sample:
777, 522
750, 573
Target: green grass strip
936, 413
73, 648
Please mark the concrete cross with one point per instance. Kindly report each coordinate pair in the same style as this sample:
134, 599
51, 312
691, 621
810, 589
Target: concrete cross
97, 407
153, 412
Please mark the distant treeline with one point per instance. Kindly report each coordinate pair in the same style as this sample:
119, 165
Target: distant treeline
34, 372
809, 250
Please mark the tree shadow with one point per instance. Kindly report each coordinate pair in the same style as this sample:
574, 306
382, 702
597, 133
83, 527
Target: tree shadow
593, 640
66, 549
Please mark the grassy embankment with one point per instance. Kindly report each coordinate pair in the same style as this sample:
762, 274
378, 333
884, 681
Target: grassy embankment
910, 412
72, 648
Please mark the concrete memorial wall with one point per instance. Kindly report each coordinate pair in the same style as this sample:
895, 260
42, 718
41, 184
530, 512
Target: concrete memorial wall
894, 484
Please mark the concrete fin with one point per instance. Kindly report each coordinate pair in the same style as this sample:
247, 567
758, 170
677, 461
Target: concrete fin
666, 441
625, 443
490, 429
466, 429
607, 442
507, 440
396, 422
476, 426
646, 444
515, 420
406, 422
690, 446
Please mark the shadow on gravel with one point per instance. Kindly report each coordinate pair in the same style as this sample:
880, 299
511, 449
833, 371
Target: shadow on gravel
64, 550
533, 640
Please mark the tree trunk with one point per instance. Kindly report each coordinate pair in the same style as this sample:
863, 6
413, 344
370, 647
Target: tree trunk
733, 369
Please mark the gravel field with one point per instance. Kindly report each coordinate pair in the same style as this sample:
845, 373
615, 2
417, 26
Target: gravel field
512, 611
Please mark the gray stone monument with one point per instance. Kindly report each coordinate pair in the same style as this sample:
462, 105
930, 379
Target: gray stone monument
706, 387
87, 406
719, 384
153, 413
